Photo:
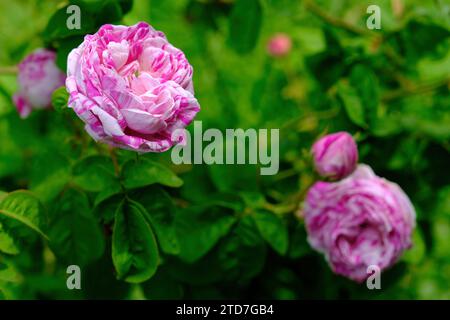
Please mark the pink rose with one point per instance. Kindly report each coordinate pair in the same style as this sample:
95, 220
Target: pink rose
279, 45
335, 155
131, 87
38, 78
360, 221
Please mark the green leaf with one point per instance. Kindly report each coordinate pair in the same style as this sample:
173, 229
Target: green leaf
7, 242
90, 5
65, 46
236, 259
144, 172
105, 11
160, 211
24, 207
94, 173
365, 82
245, 25
57, 25
298, 244
200, 227
60, 97
419, 39
134, 249
352, 104
272, 229
109, 191
75, 235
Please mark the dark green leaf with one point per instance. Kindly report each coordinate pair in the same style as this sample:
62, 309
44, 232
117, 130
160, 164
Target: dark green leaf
160, 211
94, 173
145, 172
245, 24
7, 242
272, 229
200, 227
75, 234
134, 249
64, 47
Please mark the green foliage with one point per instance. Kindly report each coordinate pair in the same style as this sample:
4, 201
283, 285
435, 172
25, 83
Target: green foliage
60, 97
272, 229
24, 208
144, 172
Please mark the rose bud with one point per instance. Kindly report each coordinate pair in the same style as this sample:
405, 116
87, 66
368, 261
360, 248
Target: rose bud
279, 45
360, 221
335, 155
131, 87
38, 78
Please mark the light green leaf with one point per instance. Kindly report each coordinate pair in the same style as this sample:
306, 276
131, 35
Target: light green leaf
60, 97
7, 242
352, 104
49, 174
57, 29
94, 174
24, 207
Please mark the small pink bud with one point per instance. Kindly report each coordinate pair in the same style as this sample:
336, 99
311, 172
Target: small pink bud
38, 78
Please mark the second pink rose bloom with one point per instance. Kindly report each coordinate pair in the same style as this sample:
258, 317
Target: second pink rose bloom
131, 87
38, 78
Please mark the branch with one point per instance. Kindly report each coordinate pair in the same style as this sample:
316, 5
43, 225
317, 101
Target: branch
315, 9
415, 89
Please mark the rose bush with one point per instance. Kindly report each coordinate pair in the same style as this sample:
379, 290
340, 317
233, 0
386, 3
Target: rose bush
38, 78
279, 45
131, 87
360, 221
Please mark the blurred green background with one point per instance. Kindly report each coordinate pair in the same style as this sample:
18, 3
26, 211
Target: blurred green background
236, 234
